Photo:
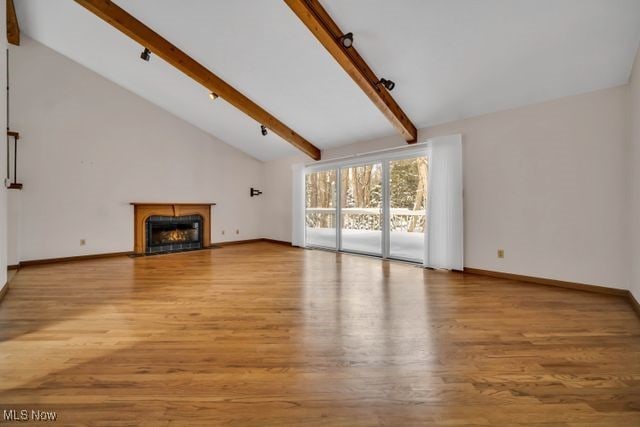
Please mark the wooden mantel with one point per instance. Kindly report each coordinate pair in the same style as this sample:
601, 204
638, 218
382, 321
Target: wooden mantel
143, 210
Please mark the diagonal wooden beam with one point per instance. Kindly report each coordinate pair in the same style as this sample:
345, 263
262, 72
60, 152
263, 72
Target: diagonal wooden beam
132, 27
13, 29
318, 21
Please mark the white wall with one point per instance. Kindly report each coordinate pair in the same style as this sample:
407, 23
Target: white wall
546, 183
89, 147
3, 152
634, 93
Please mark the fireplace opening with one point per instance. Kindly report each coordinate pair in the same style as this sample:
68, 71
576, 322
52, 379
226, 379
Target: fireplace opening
173, 234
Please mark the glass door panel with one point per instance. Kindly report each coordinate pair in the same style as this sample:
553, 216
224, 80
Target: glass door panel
361, 208
320, 209
407, 202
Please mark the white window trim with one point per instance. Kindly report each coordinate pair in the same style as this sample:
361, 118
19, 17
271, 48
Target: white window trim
372, 157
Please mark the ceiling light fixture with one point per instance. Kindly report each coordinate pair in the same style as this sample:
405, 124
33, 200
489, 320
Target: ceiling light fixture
146, 54
213, 96
387, 83
347, 40
263, 130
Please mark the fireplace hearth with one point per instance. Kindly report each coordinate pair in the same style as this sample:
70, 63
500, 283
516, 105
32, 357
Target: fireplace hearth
172, 234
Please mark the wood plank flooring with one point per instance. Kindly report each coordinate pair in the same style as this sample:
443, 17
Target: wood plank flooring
262, 334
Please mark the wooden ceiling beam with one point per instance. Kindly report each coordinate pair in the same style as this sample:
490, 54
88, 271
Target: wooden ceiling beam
318, 21
132, 27
13, 29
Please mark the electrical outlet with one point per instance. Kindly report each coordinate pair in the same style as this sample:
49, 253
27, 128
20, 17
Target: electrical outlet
500, 253
83, 242
237, 231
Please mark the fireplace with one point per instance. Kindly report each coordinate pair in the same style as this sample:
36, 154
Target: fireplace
171, 227
172, 234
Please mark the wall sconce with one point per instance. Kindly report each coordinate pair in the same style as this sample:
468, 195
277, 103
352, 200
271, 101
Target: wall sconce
255, 192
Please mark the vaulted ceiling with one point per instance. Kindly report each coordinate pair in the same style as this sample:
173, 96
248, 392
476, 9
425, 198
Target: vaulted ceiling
450, 59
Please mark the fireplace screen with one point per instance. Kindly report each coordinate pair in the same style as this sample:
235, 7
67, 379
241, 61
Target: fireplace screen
173, 234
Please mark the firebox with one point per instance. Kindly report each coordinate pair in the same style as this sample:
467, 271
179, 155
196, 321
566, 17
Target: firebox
173, 234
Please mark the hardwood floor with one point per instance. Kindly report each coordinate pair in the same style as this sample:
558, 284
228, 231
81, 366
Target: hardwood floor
262, 334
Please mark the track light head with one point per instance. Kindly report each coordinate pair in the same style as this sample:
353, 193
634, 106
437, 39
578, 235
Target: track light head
347, 40
263, 130
387, 84
213, 96
146, 54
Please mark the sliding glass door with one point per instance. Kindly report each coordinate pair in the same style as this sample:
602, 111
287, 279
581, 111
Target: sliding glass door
320, 209
361, 208
376, 208
407, 207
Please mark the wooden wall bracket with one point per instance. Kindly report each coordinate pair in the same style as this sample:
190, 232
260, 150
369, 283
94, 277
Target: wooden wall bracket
14, 185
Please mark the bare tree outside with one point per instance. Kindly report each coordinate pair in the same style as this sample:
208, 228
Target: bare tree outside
408, 194
320, 203
362, 197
